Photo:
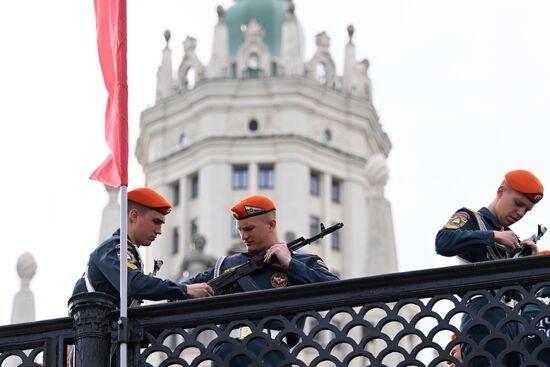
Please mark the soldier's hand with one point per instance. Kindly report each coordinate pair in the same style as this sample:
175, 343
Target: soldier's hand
507, 238
529, 242
281, 252
199, 290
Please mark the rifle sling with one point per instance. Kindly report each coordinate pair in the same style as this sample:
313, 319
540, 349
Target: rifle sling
248, 284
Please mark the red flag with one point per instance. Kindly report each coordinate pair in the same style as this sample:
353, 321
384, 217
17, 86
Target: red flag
112, 48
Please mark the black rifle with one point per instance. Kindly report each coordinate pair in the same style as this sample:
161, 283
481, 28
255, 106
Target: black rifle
524, 250
157, 264
256, 262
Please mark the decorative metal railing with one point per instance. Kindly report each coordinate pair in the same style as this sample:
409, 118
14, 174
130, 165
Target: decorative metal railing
400, 319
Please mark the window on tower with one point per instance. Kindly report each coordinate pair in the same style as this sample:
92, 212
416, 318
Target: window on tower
335, 240
314, 225
182, 140
175, 240
175, 186
315, 183
335, 190
253, 125
193, 228
240, 177
266, 177
194, 186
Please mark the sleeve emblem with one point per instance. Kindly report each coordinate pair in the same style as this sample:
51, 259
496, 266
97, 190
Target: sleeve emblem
322, 264
131, 260
458, 220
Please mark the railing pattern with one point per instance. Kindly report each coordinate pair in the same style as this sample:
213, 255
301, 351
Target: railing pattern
36, 344
401, 319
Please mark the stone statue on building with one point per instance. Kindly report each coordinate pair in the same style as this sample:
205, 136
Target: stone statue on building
196, 261
23, 302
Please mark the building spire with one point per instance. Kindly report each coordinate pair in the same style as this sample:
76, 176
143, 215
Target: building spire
349, 82
218, 67
291, 44
165, 81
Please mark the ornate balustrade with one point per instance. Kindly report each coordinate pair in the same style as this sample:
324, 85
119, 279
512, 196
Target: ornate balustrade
400, 319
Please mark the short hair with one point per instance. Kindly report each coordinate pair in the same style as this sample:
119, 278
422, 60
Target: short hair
267, 217
140, 208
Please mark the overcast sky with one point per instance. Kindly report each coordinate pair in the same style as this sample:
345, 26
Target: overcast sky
461, 87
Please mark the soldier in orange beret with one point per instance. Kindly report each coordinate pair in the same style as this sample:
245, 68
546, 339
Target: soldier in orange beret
257, 226
146, 212
485, 235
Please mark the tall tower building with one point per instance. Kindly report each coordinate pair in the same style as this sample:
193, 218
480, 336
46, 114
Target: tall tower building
262, 118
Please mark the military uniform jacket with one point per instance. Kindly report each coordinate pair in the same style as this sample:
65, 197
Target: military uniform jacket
462, 236
104, 268
303, 269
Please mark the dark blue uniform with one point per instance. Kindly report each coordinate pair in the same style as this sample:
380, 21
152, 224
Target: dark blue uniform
303, 269
104, 269
465, 237
535, 344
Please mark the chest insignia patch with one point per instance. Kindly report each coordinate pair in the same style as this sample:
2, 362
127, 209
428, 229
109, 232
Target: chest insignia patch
279, 280
457, 220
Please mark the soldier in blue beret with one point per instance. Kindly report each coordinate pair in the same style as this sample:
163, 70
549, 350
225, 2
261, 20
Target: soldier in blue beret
257, 226
146, 212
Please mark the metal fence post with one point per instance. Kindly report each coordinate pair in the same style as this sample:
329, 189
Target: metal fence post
90, 312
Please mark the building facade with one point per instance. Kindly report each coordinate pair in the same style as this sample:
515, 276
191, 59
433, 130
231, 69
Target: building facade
259, 117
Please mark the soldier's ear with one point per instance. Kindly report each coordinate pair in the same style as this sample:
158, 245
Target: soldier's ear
500, 191
133, 215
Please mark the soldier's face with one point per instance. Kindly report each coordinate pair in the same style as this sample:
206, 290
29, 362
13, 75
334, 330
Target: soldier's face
145, 226
255, 232
512, 206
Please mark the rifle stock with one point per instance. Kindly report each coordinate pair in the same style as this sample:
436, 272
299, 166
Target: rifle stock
256, 262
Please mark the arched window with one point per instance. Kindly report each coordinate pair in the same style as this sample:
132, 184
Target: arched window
321, 73
253, 65
190, 77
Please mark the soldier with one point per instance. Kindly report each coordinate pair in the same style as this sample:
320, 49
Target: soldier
146, 212
484, 235
540, 313
257, 226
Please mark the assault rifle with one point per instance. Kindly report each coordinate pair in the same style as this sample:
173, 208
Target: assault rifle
256, 262
524, 250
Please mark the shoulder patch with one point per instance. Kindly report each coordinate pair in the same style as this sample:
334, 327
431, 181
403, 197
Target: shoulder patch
131, 260
457, 220
322, 264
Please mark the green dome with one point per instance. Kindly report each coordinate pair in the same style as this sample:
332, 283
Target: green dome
271, 14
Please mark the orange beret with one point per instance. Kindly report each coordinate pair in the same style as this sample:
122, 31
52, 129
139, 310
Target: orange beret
150, 198
526, 183
251, 206
544, 252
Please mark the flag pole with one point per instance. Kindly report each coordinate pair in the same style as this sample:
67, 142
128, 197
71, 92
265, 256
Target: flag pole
111, 26
122, 323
